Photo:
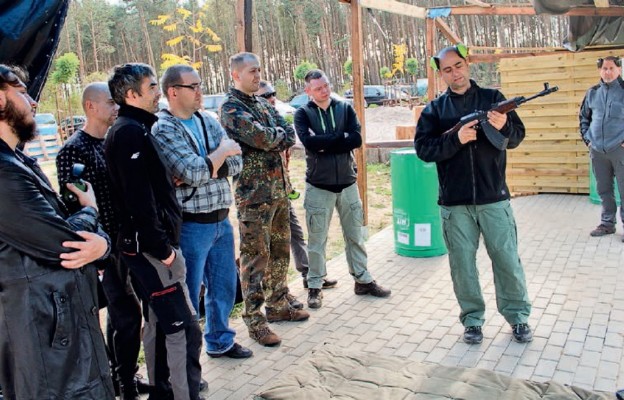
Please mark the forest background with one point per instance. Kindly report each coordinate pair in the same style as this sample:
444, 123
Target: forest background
286, 34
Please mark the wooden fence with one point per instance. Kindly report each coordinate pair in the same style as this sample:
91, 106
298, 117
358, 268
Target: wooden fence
44, 147
552, 158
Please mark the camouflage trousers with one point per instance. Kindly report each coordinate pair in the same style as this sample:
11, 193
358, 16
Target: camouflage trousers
264, 259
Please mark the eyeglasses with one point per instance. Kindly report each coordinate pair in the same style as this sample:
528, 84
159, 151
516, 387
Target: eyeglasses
268, 95
193, 86
616, 60
461, 50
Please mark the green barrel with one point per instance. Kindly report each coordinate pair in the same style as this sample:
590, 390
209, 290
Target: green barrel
415, 210
593, 193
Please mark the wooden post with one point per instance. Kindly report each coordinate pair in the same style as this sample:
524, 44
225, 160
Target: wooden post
429, 45
243, 25
358, 100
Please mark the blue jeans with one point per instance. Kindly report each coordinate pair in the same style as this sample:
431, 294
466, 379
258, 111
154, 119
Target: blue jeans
209, 253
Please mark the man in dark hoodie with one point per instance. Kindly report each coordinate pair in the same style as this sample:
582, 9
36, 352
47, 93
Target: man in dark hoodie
149, 235
474, 198
330, 131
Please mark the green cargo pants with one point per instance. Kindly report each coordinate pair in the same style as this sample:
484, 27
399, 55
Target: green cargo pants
462, 226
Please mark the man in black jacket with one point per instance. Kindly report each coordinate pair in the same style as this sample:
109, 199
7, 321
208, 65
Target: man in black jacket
149, 234
86, 146
474, 198
51, 345
330, 131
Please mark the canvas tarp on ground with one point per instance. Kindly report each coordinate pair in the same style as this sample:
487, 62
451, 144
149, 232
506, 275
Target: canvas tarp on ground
333, 372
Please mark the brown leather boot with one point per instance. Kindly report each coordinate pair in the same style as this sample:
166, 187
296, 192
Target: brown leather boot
265, 337
372, 289
287, 314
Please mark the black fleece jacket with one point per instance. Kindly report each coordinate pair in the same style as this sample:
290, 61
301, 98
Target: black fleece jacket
329, 137
472, 173
142, 186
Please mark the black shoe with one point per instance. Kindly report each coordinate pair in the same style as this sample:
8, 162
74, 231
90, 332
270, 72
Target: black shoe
473, 335
327, 283
203, 385
315, 298
522, 333
128, 391
142, 384
237, 351
294, 303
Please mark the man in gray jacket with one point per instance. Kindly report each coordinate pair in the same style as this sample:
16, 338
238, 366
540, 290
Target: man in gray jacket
602, 130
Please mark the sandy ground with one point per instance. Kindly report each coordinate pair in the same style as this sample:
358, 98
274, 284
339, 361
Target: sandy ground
381, 121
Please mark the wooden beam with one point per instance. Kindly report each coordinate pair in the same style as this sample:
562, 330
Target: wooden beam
395, 7
584, 11
492, 58
430, 51
358, 100
478, 3
446, 31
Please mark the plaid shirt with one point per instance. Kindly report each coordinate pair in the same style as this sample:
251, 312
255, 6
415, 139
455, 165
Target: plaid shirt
181, 155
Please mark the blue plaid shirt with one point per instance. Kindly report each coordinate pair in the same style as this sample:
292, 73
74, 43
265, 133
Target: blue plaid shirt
180, 149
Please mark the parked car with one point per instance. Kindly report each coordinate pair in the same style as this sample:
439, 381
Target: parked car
69, 125
303, 99
212, 102
284, 108
46, 124
377, 94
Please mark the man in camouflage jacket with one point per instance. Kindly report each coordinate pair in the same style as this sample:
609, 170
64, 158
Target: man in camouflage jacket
261, 192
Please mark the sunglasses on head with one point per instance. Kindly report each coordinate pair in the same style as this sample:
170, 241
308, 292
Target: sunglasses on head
267, 95
616, 60
461, 50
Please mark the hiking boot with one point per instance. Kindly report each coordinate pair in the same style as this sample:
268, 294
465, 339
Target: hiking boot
287, 314
473, 335
294, 303
327, 283
522, 333
372, 289
315, 298
265, 337
602, 230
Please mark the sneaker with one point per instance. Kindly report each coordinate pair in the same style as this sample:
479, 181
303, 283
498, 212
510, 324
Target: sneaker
522, 333
287, 314
265, 337
237, 351
294, 303
602, 230
372, 289
315, 298
327, 283
473, 335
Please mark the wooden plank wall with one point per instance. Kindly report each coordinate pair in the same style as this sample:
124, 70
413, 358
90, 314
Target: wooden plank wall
552, 158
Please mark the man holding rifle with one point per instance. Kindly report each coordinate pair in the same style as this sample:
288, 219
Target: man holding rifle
474, 198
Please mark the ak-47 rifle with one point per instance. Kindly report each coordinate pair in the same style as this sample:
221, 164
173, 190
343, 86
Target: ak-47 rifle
497, 139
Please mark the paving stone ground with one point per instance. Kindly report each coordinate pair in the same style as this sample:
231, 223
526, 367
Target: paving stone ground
576, 284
